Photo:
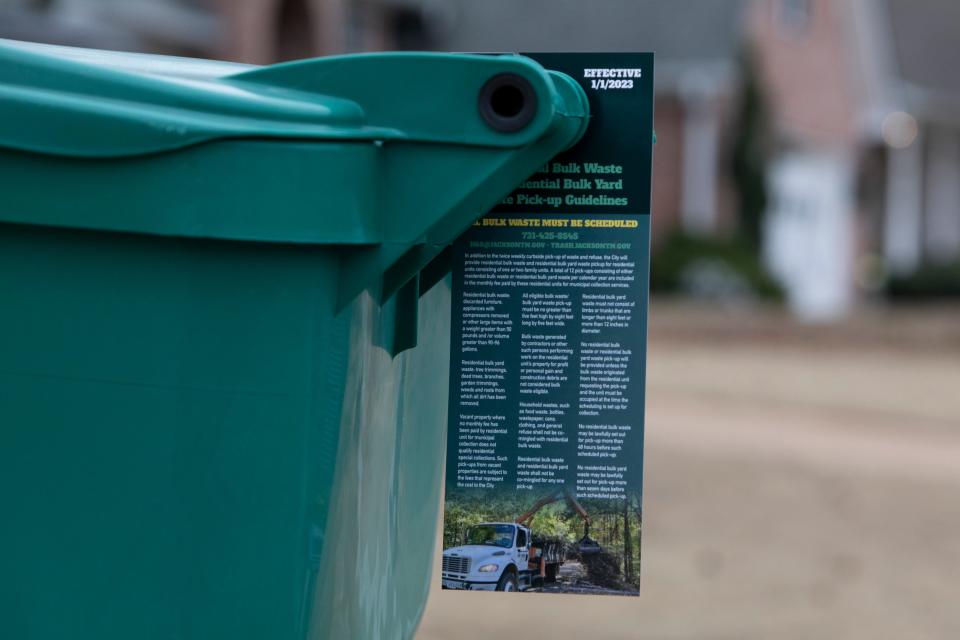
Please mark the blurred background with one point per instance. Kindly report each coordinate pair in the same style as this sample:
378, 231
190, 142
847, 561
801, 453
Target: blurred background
803, 432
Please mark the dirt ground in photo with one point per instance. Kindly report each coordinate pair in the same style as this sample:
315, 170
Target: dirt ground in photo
801, 482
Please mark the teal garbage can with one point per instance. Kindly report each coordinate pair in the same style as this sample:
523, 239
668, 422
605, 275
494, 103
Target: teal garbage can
223, 356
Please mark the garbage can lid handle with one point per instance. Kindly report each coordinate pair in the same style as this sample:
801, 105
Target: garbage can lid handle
91, 106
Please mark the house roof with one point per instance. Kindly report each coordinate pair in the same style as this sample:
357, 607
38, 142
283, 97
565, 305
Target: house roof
926, 40
684, 33
686, 30
925, 43
130, 25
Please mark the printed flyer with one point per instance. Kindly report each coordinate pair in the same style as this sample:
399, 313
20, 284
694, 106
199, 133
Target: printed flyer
544, 469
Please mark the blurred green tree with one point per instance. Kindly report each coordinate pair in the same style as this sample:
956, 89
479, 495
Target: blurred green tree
751, 152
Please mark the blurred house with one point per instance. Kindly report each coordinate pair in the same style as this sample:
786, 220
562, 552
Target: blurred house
866, 104
862, 94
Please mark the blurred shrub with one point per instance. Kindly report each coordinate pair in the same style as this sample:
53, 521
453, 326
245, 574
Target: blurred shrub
750, 154
933, 281
710, 267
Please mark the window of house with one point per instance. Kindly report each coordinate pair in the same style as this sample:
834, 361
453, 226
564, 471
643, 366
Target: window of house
409, 29
794, 16
295, 37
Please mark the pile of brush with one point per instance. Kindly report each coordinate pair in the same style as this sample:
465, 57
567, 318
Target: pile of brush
603, 569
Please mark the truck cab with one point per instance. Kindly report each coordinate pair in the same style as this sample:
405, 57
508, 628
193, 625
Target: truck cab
494, 556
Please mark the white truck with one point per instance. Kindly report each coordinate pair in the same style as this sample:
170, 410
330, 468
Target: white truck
501, 556
504, 556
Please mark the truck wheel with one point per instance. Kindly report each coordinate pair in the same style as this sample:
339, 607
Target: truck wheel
508, 582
